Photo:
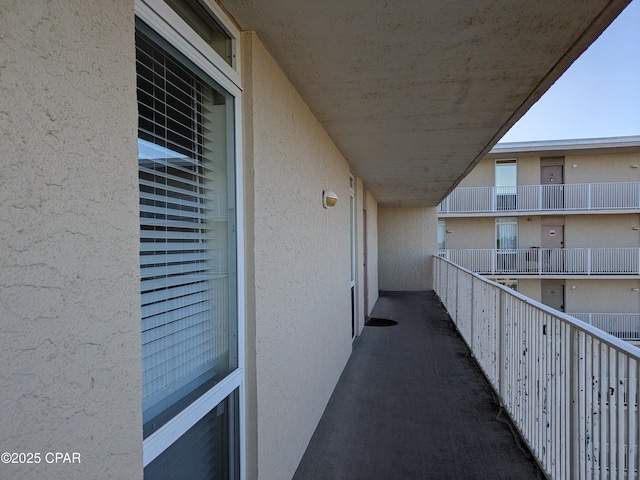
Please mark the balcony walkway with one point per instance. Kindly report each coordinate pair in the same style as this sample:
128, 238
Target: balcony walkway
412, 404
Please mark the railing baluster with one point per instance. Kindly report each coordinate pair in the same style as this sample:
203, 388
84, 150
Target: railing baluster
571, 261
500, 313
577, 196
539, 197
570, 390
574, 396
620, 416
589, 401
604, 410
632, 414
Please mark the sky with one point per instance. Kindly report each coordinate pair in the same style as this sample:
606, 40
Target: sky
598, 96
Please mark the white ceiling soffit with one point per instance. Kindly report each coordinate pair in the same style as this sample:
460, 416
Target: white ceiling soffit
579, 146
415, 92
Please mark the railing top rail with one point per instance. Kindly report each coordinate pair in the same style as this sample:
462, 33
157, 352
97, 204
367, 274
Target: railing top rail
551, 185
526, 249
600, 335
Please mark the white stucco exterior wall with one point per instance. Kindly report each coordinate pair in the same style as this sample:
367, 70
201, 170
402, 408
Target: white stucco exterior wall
613, 231
69, 284
602, 296
472, 232
605, 167
482, 175
407, 239
301, 280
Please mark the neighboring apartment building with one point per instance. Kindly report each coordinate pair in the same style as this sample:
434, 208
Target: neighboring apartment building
175, 299
557, 220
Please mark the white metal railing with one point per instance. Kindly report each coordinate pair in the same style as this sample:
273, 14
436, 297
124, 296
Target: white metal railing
547, 261
570, 388
622, 325
529, 198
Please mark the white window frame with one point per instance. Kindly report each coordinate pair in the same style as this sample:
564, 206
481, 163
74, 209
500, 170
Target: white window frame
505, 162
507, 221
168, 24
442, 228
353, 254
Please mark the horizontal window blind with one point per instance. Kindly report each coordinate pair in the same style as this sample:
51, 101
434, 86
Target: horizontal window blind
184, 232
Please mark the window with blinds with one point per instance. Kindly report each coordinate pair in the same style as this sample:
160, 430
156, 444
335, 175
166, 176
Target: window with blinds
209, 450
187, 239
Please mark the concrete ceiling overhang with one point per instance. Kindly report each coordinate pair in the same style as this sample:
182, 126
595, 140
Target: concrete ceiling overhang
414, 93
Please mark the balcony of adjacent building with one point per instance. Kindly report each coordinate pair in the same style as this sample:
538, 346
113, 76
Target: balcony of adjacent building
549, 262
625, 326
612, 197
473, 380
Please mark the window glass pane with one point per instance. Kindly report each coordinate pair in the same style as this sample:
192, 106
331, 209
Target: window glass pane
187, 244
506, 184
506, 173
208, 451
442, 235
506, 233
203, 23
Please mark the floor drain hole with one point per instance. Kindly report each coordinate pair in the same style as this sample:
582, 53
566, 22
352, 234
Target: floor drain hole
380, 322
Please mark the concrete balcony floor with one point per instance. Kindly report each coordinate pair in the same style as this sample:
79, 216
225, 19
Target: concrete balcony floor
412, 404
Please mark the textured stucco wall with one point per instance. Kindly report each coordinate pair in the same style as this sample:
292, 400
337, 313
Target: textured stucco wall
602, 296
602, 231
529, 229
473, 232
69, 284
482, 175
407, 239
302, 309
529, 171
530, 288
611, 167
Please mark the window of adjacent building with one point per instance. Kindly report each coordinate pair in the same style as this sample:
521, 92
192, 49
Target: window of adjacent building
442, 234
507, 175
190, 327
506, 184
506, 244
511, 283
507, 233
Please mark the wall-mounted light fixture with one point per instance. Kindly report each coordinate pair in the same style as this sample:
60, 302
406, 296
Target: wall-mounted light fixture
449, 231
329, 199
635, 228
635, 289
634, 166
573, 287
575, 165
